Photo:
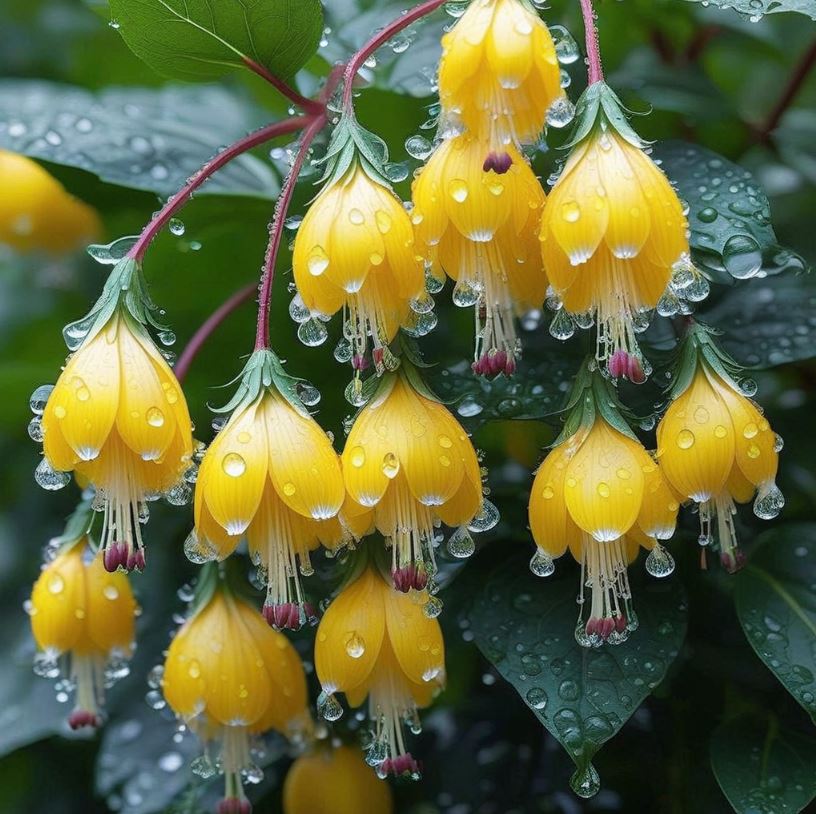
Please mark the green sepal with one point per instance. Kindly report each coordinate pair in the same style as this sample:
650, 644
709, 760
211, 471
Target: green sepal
264, 371
408, 348
126, 289
209, 579
699, 347
599, 108
412, 362
77, 527
353, 145
593, 395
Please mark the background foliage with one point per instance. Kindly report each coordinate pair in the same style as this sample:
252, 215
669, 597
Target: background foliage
712, 702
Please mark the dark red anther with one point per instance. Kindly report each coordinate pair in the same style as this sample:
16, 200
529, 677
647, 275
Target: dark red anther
616, 365
234, 805
359, 362
136, 560
620, 623
377, 355
404, 578
606, 627
115, 556
634, 371
401, 765
285, 616
732, 560
80, 718
500, 163
591, 628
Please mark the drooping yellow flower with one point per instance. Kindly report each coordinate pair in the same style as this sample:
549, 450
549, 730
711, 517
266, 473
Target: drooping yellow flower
228, 676
716, 448
600, 495
271, 475
82, 618
334, 781
378, 643
118, 418
409, 460
476, 214
354, 251
611, 233
36, 212
499, 75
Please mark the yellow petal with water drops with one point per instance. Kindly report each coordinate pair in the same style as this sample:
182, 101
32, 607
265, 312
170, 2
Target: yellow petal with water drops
525, 271
56, 449
304, 468
58, 604
238, 689
629, 217
85, 400
380, 297
429, 215
754, 440
658, 513
351, 633
696, 441
212, 536
551, 524
234, 470
468, 500
462, 51
145, 421
509, 51
111, 608
335, 780
416, 640
358, 519
738, 486
604, 482
635, 540
288, 697
159, 476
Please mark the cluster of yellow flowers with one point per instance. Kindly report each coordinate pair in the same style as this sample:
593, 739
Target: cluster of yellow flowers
606, 247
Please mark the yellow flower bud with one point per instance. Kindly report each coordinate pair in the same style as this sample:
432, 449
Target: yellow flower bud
499, 75
37, 213
476, 212
409, 460
715, 447
378, 643
270, 474
355, 249
591, 494
84, 617
334, 781
611, 233
229, 676
117, 417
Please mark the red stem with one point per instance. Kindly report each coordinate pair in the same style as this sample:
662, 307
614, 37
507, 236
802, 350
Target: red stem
594, 67
380, 38
175, 203
208, 327
289, 92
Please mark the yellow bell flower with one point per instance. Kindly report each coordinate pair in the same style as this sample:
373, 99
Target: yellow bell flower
378, 643
271, 475
229, 677
355, 250
716, 448
118, 418
476, 213
409, 461
599, 494
82, 618
499, 75
36, 212
612, 231
334, 781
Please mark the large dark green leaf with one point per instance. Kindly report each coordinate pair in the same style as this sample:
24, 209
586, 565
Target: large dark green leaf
524, 626
762, 767
768, 322
200, 39
755, 10
141, 139
776, 603
729, 215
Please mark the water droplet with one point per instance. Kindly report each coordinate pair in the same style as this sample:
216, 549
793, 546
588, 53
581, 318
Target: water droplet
233, 464
542, 564
418, 147
742, 257
769, 502
176, 227
355, 645
56, 584
659, 563
110, 592
460, 544
390, 464
318, 260
586, 782
561, 112
486, 519
458, 190
329, 707
155, 417
39, 398
536, 698
312, 333
685, 439
49, 478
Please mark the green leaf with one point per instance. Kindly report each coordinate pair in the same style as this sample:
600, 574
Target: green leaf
776, 605
200, 39
140, 139
525, 627
761, 767
729, 214
768, 322
755, 10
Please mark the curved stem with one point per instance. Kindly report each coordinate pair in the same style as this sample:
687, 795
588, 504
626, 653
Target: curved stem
175, 203
209, 326
380, 38
286, 90
594, 67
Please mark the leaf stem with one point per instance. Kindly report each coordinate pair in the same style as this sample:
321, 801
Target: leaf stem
178, 200
594, 66
309, 105
209, 326
381, 37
